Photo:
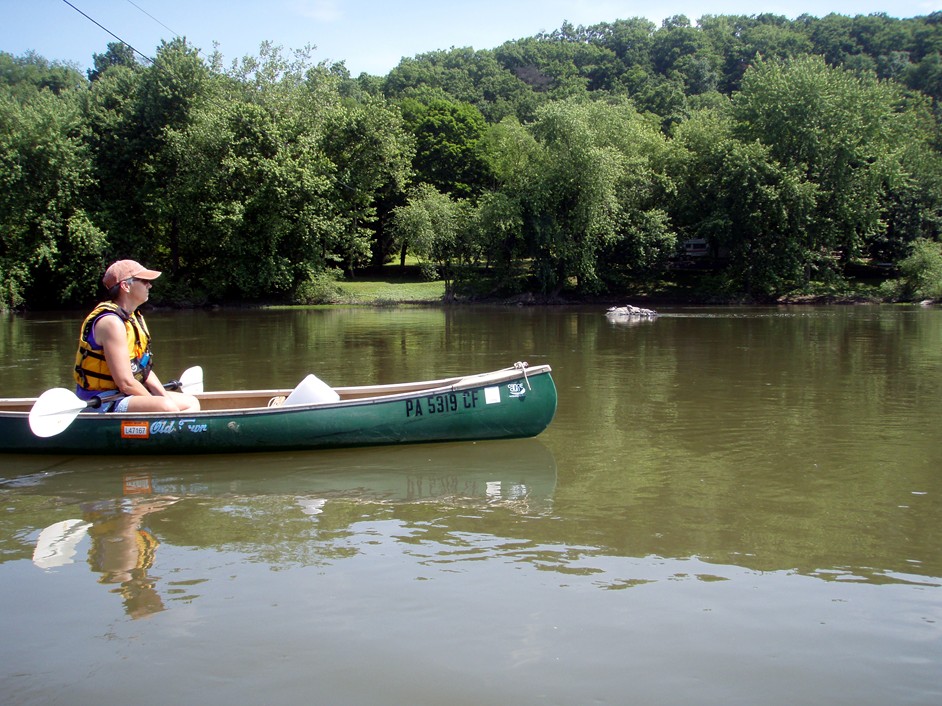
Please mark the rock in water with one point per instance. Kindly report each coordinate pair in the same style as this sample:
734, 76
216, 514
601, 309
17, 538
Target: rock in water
630, 312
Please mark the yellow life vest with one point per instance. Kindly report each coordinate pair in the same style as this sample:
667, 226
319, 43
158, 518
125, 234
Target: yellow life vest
91, 368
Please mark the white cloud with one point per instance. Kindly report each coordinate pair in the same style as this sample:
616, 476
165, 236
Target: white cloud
319, 10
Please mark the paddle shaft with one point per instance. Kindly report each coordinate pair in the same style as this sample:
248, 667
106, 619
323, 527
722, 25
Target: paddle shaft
98, 400
56, 409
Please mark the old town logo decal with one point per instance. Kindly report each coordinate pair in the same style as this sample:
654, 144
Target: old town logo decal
516, 389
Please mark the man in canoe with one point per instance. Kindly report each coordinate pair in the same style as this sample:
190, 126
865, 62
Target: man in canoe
114, 349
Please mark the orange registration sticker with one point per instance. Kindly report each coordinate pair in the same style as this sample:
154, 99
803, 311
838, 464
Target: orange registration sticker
137, 484
135, 430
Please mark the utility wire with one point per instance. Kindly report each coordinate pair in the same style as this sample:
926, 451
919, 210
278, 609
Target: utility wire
173, 32
152, 61
99, 24
130, 2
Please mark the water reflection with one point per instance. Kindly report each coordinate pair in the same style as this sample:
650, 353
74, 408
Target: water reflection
122, 550
280, 509
764, 481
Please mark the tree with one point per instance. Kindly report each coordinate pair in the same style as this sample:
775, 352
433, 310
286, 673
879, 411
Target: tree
921, 271
262, 216
22, 76
840, 131
737, 197
926, 76
372, 153
463, 75
132, 114
740, 40
118, 54
912, 184
571, 202
578, 197
630, 41
447, 136
257, 213
833, 38
582, 183
436, 229
683, 53
51, 252
512, 153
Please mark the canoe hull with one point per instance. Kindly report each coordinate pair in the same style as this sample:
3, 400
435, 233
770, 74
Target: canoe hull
507, 404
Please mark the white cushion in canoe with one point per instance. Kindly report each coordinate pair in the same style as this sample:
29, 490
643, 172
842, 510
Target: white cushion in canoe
312, 391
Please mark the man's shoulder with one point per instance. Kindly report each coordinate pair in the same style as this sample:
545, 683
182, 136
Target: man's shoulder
108, 322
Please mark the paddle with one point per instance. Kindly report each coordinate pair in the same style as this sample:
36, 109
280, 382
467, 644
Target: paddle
56, 409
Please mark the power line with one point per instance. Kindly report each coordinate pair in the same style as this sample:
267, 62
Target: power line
99, 24
174, 33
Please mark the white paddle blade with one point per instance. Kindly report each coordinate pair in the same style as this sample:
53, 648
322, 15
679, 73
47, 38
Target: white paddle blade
191, 381
54, 410
57, 543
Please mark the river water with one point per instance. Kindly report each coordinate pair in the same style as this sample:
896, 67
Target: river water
732, 506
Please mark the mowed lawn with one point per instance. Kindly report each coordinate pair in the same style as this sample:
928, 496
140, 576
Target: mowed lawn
371, 291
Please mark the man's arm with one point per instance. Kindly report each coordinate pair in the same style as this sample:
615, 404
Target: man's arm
111, 333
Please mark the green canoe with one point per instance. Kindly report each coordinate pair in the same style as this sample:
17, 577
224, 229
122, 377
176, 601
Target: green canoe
511, 403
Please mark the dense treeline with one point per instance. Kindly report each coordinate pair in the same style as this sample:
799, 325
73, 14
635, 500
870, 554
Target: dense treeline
572, 163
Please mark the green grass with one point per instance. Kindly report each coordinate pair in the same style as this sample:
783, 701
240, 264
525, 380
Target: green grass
393, 285
399, 291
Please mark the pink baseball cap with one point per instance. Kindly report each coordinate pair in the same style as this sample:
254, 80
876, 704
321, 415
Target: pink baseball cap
125, 269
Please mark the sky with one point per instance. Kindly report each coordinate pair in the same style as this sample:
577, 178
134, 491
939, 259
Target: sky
370, 36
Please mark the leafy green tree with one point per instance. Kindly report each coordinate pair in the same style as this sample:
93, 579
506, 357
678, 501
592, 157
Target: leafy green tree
739, 40
437, 230
447, 136
22, 76
838, 130
581, 185
629, 40
921, 272
833, 38
684, 53
256, 204
463, 75
50, 252
578, 197
644, 236
282, 175
262, 217
170, 94
748, 207
371, 153
926, 76
132, 114
912, 184
663, 98
118, 54
570, 62
925, 35
571, 202
512, 153
497, 228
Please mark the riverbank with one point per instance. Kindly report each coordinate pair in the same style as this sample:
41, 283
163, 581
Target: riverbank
393, 288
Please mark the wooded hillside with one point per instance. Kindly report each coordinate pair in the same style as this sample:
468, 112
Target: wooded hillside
577, 162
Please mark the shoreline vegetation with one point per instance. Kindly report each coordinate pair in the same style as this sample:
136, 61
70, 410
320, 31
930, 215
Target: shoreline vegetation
730, 160
397, 286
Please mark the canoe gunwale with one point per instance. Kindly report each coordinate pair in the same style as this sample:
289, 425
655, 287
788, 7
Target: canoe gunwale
349, 396
364, 395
